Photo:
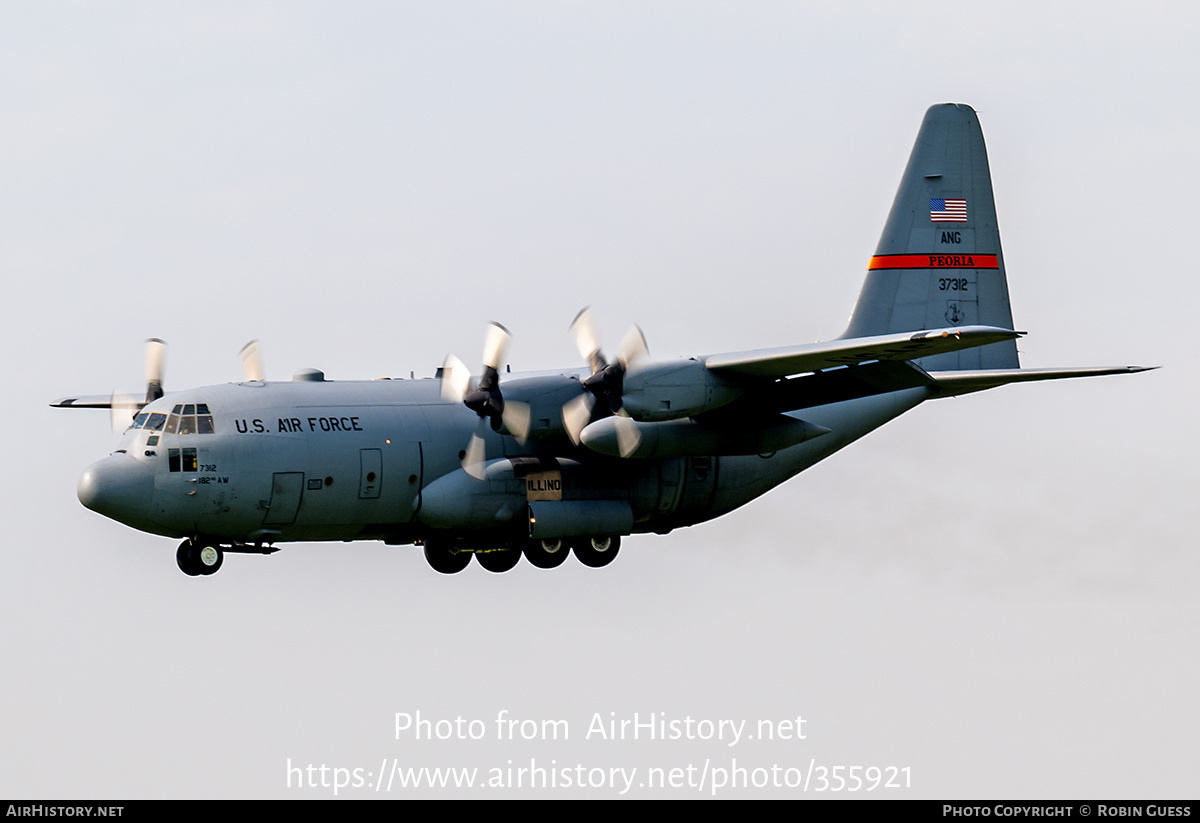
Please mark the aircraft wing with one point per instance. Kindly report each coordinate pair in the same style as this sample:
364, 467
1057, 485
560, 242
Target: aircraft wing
95, 401
811, 357
953, 383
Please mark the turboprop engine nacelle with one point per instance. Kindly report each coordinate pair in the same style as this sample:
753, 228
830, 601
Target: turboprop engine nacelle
671, 391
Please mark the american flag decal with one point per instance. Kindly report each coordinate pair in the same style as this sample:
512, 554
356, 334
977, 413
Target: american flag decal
947, 211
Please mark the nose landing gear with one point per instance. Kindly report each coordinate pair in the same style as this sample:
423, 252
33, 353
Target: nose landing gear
199, 557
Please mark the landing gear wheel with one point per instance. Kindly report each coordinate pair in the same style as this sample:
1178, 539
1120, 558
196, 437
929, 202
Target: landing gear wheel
498, 560
208, 557
597, 551
546, 554
199, 557
183, 557
445, 559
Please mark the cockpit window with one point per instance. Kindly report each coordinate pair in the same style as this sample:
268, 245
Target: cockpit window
189, 418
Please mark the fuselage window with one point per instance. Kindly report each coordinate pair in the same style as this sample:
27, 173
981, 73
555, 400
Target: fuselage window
182, 460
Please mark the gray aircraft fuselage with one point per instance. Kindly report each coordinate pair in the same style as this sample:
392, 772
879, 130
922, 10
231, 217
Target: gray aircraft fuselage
381, 459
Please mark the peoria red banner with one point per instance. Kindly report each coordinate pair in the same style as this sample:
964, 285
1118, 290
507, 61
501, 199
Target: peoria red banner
933, 261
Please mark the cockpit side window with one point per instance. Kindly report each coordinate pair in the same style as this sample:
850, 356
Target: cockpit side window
182, 460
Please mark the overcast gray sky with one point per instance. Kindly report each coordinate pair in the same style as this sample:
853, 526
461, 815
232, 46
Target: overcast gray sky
996, 591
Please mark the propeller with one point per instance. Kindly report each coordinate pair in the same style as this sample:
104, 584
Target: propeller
606, 382
252, 367
123, 407
485, 399
156, 357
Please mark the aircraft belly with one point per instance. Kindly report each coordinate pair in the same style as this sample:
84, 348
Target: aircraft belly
742, 479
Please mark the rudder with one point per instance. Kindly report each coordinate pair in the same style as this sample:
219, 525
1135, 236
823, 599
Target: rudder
938, 263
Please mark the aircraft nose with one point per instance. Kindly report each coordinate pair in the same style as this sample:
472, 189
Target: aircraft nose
118, 487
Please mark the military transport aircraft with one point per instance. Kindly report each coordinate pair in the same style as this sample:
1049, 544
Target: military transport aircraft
545, 464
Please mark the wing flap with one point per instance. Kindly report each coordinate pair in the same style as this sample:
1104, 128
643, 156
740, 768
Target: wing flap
811, 357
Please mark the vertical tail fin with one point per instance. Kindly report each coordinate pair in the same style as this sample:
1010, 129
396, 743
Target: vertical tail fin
938, 263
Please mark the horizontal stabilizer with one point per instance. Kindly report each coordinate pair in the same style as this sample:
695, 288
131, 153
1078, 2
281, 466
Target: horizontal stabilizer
953, 383
811, 357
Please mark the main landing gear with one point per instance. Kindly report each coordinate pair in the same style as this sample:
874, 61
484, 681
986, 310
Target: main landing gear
199, 556
595, 552
445, 558
547, 554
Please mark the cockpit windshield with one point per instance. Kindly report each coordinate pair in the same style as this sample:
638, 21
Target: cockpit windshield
185, 418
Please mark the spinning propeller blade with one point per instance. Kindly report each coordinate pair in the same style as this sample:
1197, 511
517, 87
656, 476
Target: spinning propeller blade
122, 408
628, 436
252, 367
607, 380
485, 399
577, 413
156, 356
456, 380
587, 339
475, 456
